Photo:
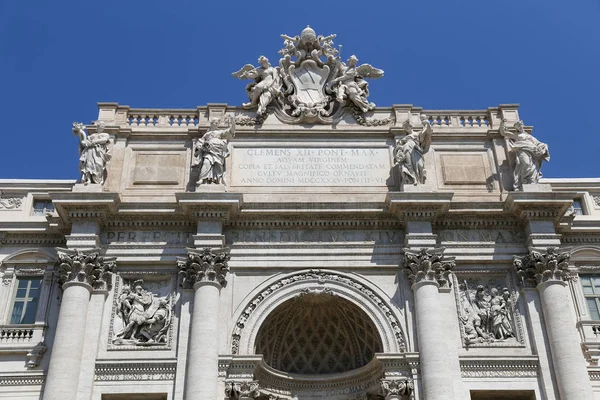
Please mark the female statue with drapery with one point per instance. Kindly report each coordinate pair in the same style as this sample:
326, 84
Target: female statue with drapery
529, 154
210, 152
409, 151
93, 153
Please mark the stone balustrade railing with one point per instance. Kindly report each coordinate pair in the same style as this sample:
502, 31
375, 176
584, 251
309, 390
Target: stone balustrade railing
144, 118
18, 333
459, 119
162, 118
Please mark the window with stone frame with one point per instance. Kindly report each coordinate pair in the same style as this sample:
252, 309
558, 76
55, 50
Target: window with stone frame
26, 300
591, 290
576, 207
42, 206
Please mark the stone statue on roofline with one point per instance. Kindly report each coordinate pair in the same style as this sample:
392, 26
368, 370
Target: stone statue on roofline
311, 83
94, 153
529, 154
409, 152
210, 152
266, 85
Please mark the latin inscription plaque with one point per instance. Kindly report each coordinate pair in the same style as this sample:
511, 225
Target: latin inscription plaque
310, 166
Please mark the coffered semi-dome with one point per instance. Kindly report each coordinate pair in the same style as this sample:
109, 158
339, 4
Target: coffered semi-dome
317, 334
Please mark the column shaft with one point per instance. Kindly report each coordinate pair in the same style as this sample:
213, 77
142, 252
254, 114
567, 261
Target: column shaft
203, 354
569, 365
65, 363
436, 375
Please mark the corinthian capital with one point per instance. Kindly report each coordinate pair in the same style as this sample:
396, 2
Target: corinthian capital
205, 266
86, 266
428, 265
235, 390
535, 267
397, 388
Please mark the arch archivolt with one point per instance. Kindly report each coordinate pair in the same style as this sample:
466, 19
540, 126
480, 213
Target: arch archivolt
351, 287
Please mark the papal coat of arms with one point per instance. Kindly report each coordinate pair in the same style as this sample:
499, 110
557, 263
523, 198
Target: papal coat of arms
311, 83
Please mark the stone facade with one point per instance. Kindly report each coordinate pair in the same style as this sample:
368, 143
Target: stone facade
293, 250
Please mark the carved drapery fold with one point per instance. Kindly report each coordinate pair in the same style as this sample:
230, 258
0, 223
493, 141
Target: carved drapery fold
205, 266
397, 388
86, 266
236, 390
535, 267
428, 265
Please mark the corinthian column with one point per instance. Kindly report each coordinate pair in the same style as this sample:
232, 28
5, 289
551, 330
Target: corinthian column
205, 272
549, 271
78, 271
428, 270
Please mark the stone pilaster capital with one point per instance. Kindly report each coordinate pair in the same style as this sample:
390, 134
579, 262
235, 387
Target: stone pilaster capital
428, 265
538, 267
397, 388
240, 390
207, 265
85, 266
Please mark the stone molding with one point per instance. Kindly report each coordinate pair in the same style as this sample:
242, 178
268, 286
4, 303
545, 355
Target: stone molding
128, 371
86, 266
333, 223
428, 265
318, 277
206, 265
22, 380
536, 267
358, 381
492, 367
24, 239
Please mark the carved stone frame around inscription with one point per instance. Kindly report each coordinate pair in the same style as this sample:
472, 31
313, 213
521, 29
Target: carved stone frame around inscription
167, 280
485, 281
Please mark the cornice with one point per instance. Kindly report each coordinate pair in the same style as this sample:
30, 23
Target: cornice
210, 205
538, 206
85, 205
418, 206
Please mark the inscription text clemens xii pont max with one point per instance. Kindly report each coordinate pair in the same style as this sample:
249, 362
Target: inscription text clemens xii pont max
297, 166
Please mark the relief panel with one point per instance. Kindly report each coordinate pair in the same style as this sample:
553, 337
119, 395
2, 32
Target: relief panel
142, 313
487, 310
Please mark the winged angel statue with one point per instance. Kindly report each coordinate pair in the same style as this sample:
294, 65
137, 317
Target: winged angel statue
311, 83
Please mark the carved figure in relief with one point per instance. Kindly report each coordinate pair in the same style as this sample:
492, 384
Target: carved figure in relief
486, 314
501, 327
529, 154
93, 153
409, 151
266, 85
210, 152
146, 318
350, 83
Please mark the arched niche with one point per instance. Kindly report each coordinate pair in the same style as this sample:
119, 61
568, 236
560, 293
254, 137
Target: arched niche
352, 288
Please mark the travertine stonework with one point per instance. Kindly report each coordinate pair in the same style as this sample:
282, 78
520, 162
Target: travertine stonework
304, 245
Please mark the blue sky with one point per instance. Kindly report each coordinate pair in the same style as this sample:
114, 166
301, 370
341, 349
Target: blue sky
58, 59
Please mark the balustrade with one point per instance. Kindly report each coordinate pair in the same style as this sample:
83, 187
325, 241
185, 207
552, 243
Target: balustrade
458, 119
162, 118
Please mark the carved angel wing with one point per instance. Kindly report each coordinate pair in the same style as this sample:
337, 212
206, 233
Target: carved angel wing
243, 72
367, 71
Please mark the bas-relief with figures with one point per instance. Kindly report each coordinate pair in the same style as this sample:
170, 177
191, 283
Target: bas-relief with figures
305, 244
